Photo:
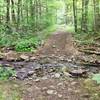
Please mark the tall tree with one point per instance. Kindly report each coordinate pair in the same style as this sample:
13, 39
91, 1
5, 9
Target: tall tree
96, 15
8, 11
75, 14
84, 25
13, 12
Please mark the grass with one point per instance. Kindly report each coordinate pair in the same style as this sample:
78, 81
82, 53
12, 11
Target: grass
9, 91
92, 88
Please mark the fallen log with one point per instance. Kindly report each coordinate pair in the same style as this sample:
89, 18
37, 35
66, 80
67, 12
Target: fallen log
90, 52
90, 64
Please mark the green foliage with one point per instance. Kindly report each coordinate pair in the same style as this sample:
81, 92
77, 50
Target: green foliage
26, 45
6, 73
6, 40
85, 38
96, 77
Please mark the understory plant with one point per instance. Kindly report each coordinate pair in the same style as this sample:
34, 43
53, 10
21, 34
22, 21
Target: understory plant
6, 73
27, 45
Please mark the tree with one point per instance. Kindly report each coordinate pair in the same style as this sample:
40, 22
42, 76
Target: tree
96, 15
84, 25
75, 14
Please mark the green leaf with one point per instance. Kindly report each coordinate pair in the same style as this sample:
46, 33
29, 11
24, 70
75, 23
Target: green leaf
96, 77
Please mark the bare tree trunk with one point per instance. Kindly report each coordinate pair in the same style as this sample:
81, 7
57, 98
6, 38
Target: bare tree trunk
75, 14
84, 24
8, 11
13, 12
18, 14
96, 16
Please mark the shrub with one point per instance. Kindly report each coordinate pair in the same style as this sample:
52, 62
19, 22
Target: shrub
26, 45
6, 73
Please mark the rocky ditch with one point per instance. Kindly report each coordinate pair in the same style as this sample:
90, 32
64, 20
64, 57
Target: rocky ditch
48, 67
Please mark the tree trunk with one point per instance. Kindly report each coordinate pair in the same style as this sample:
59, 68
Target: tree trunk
8, 12
96, 16
75, 14
13, 12
84, 25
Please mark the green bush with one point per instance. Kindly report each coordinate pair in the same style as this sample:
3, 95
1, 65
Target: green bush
6, 73
26, 45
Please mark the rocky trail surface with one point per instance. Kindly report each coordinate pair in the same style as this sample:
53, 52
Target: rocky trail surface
57, 70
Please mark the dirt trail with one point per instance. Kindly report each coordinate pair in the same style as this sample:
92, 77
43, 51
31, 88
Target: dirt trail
43, 78
55, 87
60, 43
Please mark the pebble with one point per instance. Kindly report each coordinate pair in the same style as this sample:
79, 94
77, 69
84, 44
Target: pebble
30, 72
50, 92
24, 57
37, 80
59, 95
86, 95
67, 74
73, 83
52, 87
44, 78
57, 75
70, 89
79, 72
37, 88
60, 84
44, 88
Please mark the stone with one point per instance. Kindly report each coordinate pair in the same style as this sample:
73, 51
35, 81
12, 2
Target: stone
60, 84
54, 46
67, 74
59, 95
52, 87
37, 80
50, 92
86, 95
44, 78
22, 75
57, 75
78, 73
73, 83
65, 69
11, 55
1, 55
44, 88
30, 72
24, 57
33, 58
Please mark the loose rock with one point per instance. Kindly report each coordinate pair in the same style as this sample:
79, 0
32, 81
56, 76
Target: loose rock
78, 73
57, 75
24, 57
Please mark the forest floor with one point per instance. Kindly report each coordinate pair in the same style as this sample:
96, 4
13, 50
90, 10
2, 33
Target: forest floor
59, 70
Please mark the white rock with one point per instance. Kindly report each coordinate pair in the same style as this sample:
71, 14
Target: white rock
50, 91
44, 88
44, 78
59, 95
37, 80
57, 75
24, 57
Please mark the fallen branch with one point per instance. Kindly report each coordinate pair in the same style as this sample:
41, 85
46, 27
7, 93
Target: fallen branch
90, 52
96, 44
90, 64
